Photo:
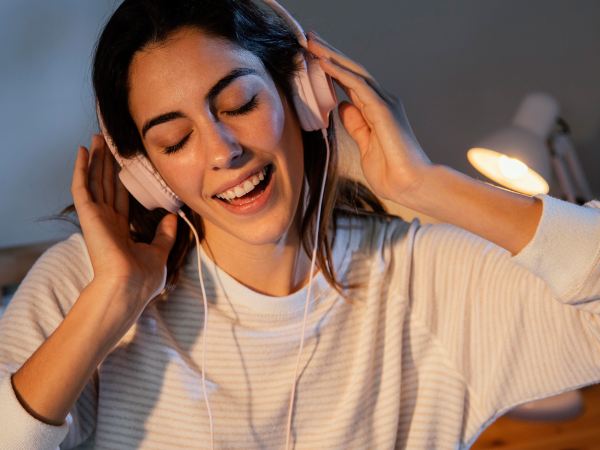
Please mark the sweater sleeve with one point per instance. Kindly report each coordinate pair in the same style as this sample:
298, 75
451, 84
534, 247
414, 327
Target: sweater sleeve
516, 327
41, 302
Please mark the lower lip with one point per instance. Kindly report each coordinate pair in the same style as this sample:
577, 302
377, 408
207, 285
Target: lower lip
256, 204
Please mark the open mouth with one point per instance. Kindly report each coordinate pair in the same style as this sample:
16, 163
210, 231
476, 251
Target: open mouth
250, 191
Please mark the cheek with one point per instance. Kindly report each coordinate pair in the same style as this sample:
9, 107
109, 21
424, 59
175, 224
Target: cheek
285, 138
264, 128
184, 171
186, 177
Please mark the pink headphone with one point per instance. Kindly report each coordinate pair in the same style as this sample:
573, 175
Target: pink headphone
314, 98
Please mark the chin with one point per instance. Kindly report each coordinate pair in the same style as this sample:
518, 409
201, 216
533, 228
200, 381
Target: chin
267, 230
264, 238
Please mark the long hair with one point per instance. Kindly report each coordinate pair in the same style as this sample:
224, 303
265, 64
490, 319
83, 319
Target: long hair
138, 24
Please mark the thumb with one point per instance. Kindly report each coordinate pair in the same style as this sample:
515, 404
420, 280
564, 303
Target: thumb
166, 232
355, 124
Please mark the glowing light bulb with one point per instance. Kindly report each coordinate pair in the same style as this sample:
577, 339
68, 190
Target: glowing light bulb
490, 163
512, 168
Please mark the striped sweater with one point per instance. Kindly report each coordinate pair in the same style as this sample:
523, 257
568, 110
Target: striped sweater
447, 332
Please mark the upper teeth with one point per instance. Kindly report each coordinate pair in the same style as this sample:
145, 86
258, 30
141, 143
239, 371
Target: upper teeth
248, 185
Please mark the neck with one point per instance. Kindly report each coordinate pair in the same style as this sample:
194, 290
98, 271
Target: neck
276, 269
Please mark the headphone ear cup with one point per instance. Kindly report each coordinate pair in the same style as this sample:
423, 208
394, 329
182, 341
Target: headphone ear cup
142, 180
315, 95
131, 177
147, 186
300, 101
322, 90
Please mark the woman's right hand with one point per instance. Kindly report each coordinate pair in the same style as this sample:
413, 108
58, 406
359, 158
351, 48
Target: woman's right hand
102, 204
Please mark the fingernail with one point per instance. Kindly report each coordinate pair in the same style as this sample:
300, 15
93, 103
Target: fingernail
315, 33
325, 59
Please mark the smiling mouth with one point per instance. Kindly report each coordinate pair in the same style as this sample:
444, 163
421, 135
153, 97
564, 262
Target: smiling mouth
251, 192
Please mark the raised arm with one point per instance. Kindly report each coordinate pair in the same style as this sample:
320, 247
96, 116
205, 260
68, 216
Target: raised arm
504, 298
503, 217
47, 360
59, 354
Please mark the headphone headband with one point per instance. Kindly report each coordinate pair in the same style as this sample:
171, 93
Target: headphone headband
289, 19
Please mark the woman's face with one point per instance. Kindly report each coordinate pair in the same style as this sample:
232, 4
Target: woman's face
211, 119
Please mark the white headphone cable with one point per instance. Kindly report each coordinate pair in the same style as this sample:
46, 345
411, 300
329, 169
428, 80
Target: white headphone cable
198, 248
312, 267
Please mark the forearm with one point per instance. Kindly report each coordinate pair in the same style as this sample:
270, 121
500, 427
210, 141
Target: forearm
505, 218
51, 380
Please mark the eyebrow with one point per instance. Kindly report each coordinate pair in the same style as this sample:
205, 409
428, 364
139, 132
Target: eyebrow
212, 94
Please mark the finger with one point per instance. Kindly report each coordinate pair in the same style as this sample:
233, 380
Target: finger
166, 232
355, 101
343, 61
107, 176
321, 48
314, 36
79, 189
121, 195
354, 123
358, 69
364, 92
325, 49
351, 94
96, 163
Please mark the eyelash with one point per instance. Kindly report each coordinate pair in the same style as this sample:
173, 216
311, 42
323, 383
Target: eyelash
245, 109
251, 105
179, 145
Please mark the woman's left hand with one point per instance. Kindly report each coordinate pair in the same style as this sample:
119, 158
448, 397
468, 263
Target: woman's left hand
391, 158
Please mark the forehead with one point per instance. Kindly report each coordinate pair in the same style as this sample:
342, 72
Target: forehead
185, 66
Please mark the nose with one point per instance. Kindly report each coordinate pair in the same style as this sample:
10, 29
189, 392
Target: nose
221, 147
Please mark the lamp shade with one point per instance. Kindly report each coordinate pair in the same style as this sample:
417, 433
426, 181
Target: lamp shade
518, 156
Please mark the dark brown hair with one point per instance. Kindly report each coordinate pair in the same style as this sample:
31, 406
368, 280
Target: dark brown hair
138, 24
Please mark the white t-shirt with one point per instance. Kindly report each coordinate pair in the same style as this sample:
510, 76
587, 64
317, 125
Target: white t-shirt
447, 333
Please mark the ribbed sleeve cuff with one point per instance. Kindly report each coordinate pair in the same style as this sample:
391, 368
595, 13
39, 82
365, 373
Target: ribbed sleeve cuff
22, 431
564, 246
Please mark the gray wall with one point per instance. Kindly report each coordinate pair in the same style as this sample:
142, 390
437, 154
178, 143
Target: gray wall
46, 109
460, 67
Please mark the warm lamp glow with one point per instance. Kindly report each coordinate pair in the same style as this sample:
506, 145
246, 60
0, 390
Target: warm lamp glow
508, 172
512, 168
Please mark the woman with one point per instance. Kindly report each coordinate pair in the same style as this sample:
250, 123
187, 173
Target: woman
417, 336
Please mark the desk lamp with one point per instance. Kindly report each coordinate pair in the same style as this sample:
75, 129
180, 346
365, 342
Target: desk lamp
522, 155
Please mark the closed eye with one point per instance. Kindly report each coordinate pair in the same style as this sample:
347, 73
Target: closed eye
179, 145
245, 109
251, 105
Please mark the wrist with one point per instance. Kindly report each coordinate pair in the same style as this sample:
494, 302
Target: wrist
419, 197
126, 287
118, 301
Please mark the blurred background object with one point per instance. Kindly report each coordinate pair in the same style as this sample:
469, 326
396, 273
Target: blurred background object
520, 156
